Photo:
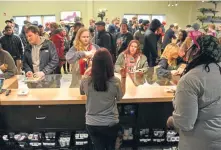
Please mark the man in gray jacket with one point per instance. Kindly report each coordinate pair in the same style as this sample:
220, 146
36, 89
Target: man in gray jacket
40, 56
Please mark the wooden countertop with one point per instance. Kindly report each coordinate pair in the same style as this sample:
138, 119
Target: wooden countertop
58, 96
11, 83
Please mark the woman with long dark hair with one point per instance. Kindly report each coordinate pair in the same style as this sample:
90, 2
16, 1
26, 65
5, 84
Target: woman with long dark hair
197, 102
103, 90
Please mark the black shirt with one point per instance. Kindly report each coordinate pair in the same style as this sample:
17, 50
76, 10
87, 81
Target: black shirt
168, 37
125, 40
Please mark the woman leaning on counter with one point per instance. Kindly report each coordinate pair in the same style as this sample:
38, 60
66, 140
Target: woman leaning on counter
132, 60
103, 90
197, 101
80, 55
169, 63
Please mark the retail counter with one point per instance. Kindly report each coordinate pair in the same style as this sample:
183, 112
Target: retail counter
52, 106
54, 90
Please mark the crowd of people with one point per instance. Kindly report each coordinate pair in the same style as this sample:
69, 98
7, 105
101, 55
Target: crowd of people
93, 54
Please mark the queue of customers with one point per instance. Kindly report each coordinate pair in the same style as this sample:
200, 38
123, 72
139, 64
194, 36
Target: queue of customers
95, 54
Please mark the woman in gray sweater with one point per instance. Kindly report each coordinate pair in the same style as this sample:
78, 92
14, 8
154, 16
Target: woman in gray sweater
103, 90
79, 55
197, 102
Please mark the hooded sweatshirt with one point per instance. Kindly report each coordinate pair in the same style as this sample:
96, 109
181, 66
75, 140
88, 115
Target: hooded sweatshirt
35, 55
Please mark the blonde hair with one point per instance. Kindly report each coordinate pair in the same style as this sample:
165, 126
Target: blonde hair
77, 42
171, 53
186, 44
212, 26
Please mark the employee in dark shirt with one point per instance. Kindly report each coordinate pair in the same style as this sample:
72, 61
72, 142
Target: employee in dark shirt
123, 38
169, 35
103, 38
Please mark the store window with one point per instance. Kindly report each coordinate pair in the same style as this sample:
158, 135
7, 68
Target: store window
149, 17
41, 19
159, 17
35, 19
48, 19
20, 22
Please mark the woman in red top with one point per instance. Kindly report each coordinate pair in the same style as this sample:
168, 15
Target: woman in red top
57, 37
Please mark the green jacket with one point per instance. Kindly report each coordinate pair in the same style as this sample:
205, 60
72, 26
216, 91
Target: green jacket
141, 64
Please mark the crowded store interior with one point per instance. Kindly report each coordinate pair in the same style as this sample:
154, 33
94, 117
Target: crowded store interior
110, 75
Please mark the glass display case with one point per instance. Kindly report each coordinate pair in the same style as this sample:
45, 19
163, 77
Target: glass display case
53, 108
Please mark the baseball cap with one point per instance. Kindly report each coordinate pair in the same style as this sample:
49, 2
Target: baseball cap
145, 22
40, 26
8, 21
100, 23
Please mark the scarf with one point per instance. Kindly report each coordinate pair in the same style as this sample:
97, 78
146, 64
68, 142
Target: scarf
84, 62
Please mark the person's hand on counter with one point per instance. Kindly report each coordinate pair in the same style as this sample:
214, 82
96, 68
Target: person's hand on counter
29, 74
174, 72
40, 74
140, 72
4, 67
123, 72
170, 122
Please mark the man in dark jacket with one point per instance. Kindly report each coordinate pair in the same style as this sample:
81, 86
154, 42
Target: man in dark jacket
139, 34
40, 56
169, 35
15, 27
23, 36
103, 38
150, 43
12, 43
123, 38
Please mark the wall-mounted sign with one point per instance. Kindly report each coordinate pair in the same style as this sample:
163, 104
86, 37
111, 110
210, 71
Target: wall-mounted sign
70, 15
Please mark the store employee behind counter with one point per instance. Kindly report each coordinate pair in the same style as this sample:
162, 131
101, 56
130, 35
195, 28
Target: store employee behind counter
7, 64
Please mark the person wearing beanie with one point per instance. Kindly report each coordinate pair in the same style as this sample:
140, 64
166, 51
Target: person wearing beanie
139, 34
150, 43
7, 64
103, 38
76, 27
123, 38
169, 35
42, 32
195, 33
35, 23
